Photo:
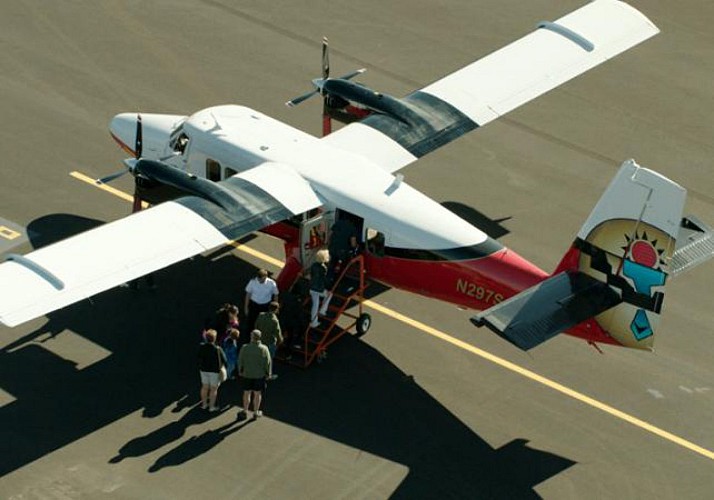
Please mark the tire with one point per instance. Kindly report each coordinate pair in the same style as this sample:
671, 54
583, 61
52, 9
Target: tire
363, 323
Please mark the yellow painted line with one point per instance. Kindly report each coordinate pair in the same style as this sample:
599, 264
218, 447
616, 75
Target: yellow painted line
258, 254
480, 352
543, 380
104, 187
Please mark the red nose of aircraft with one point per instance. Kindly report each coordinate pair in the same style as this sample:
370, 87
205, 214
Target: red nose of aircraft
156, 131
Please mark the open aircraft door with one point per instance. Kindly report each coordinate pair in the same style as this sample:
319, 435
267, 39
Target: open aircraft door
313, 236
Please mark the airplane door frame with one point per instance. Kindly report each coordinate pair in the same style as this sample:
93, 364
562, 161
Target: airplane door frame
313, 236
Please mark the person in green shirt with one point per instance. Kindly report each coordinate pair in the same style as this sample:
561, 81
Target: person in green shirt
254, 367
269, 326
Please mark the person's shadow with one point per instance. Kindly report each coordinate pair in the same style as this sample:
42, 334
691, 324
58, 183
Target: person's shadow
160, 437
197, 445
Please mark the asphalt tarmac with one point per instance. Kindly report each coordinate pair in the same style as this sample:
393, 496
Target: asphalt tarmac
97, 400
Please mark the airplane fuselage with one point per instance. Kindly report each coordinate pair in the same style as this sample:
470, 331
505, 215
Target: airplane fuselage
422, 247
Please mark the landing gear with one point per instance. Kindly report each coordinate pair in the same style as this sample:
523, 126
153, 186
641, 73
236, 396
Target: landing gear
363, 323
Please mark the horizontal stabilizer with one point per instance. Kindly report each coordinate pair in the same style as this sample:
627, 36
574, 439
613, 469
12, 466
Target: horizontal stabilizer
548, 308
695, 245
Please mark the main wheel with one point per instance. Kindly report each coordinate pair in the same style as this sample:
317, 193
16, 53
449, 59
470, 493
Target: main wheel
363, 323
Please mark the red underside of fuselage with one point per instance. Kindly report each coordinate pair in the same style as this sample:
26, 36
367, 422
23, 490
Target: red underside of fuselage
475, 283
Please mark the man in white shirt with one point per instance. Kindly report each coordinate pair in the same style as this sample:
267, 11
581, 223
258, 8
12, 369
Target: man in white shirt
259, 293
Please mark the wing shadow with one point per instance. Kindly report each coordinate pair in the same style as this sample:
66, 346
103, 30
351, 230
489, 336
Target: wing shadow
363, 400
491, 227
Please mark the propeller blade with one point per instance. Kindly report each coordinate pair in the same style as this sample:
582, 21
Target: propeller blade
299, 99
111, 177
138, 145
350, 76
325, 59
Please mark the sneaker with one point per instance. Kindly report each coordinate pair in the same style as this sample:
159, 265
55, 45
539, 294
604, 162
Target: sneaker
273, 376
315, 324
213, 409
257, 414
204, 406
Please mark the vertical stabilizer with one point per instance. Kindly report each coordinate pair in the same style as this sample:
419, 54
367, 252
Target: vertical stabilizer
627, 243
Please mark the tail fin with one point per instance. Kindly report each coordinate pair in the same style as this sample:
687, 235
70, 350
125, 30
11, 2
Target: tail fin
613, 275
628, 242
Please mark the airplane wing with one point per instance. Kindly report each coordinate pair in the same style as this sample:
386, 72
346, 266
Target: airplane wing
494, 85
97, 260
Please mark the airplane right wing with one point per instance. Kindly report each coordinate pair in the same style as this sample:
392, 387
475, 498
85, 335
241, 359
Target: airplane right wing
477, 94
97, 260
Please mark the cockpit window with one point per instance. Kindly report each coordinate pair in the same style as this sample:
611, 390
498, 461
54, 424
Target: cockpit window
178, 140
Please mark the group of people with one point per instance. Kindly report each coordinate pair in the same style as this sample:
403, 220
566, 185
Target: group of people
223, 354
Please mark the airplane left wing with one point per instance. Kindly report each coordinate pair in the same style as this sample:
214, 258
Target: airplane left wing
405, 129
97, 260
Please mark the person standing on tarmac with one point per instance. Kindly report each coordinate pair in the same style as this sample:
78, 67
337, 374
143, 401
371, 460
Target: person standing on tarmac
269, 326
259, 293
230, 348
254, 367
226, 319
211, 359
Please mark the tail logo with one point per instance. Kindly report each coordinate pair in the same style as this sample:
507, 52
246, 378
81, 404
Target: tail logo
630, 256
644, 271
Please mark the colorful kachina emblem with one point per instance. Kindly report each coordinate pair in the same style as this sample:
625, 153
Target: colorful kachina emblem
643, 265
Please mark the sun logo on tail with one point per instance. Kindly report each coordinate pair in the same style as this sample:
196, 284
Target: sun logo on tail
643, 264
643, 251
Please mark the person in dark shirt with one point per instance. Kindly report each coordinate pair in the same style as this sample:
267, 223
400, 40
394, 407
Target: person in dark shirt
211, 359
226, 320
319, 287
343, 241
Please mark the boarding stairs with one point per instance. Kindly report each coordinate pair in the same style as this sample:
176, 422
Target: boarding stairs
341, 318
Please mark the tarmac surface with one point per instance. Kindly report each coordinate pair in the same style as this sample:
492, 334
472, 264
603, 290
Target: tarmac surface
98, 400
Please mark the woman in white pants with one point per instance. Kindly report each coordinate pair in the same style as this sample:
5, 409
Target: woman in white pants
318, 286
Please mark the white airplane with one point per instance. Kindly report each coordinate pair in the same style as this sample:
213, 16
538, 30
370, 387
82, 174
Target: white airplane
229, 170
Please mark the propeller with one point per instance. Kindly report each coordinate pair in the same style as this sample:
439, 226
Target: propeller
138, 148
319, 83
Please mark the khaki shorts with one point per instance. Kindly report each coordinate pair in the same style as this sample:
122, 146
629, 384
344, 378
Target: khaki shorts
210, 378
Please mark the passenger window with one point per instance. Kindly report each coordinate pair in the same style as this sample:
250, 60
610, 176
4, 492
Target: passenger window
213, 170
375, 242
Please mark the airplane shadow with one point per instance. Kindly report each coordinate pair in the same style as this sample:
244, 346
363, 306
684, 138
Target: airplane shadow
360, 398
49, 229
357, 397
